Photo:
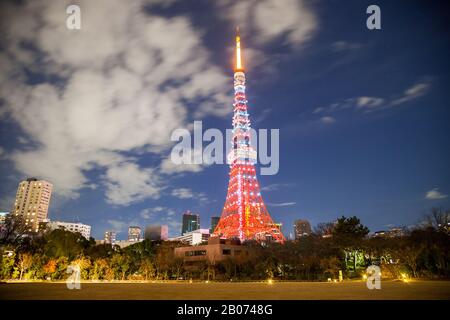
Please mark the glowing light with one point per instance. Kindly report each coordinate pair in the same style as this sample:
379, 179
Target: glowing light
270, 281
238, 53
364, 277
404, 277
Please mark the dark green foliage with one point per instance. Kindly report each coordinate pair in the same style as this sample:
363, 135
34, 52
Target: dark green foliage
349, 232
421, 253
60, 243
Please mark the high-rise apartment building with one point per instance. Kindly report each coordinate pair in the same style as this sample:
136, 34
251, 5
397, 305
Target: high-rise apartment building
110, 237
134, 233
191, 222
32, 202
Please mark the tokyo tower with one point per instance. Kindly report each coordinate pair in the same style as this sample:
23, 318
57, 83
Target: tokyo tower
244, 214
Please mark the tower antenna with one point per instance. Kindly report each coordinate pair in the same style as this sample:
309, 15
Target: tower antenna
239, 66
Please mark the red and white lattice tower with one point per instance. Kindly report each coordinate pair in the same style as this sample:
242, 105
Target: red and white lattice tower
244, 215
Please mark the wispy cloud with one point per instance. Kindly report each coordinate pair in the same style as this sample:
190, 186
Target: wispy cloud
327, 120
412, 93
435, 194
186, 193
276, 186
282, 204
370, 103
151, 213
340, 46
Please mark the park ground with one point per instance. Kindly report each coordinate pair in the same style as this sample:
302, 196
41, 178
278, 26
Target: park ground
347, 290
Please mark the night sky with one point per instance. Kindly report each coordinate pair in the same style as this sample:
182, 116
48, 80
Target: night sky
363, 114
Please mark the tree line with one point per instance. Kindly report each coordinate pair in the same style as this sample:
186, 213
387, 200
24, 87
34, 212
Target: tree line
333, 247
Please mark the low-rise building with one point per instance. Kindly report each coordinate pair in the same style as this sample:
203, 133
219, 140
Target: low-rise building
215, 251
391, 233
195, 237
84, 229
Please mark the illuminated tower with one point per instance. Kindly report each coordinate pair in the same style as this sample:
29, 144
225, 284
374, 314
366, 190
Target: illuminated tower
244, 215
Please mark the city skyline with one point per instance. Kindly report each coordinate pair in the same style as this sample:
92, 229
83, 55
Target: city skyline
362, 114
190, 223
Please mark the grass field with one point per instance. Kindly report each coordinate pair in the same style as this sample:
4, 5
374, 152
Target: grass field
240, 290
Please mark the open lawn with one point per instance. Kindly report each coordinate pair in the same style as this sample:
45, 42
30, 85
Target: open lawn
239, 290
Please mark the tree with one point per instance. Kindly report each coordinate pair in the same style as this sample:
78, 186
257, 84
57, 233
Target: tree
25, 262
177, 265
164, 260
324, 228
50, 267
348, 232
438, 219
62, 243
7, 265
99, 269
100, 251
13, 230
121, 264
83, 263
408, 255
330, 266
229, 268
146, 267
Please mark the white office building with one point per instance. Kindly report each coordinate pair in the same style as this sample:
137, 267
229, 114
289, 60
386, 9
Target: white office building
84, 229
195, 237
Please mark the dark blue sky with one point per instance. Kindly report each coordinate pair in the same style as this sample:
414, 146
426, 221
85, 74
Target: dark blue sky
363, 114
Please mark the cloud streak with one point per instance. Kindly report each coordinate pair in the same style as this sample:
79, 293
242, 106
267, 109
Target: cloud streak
435, 194
282, 204
369, 104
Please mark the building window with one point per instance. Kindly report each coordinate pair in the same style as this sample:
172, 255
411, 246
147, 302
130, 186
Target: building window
226, 252
195, 253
